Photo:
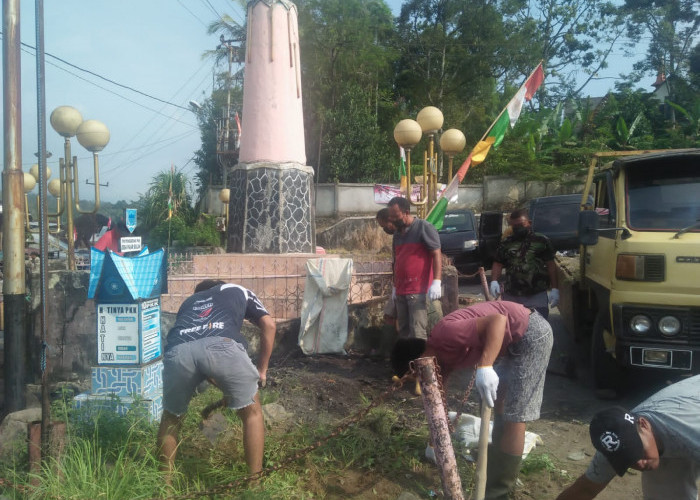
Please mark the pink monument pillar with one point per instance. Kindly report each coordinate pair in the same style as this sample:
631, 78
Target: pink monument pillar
270, 208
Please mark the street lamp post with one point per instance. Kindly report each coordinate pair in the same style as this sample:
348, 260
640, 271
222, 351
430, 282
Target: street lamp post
452, 142
93, 136
408, 133
430, 120
225, 197
29, 184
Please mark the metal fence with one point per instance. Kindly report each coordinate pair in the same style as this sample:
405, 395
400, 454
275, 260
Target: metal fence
277, 280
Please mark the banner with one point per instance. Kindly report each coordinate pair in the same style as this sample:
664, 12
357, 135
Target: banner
385, 192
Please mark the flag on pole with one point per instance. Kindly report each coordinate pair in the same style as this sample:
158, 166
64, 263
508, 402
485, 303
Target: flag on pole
402, 170
170, 194
493, 138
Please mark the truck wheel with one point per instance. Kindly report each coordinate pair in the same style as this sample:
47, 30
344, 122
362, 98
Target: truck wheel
607, 374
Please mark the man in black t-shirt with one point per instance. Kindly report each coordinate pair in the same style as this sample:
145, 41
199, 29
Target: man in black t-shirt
206, 343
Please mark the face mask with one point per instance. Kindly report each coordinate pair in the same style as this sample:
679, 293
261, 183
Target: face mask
398, 224
520, 231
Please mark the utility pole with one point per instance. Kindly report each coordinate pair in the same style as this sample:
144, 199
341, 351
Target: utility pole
224, 145
13, 213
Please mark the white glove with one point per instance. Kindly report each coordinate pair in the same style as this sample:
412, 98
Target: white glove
554, 297
435, 291
487, 384
495, 289
393, 293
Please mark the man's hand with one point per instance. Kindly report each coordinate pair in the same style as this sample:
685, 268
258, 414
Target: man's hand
554, 297
263, 377
487, 384
495, 289
435, 291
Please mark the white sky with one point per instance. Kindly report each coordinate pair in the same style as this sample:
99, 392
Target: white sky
154, 46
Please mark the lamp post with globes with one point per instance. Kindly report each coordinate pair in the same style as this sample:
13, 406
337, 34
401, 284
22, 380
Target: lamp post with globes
225, 197
93, 136
31, 180
29, 185
408, 133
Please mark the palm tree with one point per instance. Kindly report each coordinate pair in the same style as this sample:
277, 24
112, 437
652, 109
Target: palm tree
168, 195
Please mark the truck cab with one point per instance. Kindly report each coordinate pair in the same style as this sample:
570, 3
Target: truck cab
640, 262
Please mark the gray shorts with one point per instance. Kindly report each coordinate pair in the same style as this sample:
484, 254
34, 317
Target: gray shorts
226, 361
523, 371
412, 316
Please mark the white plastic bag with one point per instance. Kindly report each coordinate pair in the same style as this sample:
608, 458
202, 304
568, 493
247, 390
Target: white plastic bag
466, 435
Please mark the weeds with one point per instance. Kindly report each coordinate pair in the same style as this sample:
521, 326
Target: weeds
115, 457
537, 462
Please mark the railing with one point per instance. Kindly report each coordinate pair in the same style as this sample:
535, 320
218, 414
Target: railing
277, 280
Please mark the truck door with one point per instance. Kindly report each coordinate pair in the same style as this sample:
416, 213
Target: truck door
490, 232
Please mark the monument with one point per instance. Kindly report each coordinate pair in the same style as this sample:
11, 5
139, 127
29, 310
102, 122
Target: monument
271, 188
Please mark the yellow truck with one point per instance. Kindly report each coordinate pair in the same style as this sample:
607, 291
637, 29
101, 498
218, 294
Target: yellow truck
636, 286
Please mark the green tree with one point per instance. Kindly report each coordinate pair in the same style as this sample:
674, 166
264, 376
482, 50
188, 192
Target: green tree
346, 57
673, 27
571, 37
166, 214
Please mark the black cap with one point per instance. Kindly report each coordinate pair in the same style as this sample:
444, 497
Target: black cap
614, 434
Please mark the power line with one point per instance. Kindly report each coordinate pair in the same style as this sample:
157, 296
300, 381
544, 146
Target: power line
193, 14
112, 92
103, 77
212, 9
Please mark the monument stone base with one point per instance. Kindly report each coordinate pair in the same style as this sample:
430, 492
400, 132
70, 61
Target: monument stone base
271, 209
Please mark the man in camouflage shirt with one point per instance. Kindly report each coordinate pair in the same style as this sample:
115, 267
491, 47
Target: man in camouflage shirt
528, 258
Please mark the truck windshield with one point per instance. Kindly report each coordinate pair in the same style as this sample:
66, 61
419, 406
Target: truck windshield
663, 197
457, 221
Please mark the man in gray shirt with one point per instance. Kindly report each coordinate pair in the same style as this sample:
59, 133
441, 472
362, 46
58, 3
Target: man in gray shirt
660, 437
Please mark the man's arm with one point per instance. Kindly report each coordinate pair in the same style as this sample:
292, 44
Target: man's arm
437, 264
496, 269
268, 328
491, 330
582, 489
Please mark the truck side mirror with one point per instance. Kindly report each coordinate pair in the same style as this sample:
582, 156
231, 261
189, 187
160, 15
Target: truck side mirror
588, 227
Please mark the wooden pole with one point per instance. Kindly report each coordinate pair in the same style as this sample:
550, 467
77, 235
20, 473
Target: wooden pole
439, 429
483, 452
482, 459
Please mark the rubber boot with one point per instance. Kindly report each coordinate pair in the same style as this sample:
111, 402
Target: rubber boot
501, 473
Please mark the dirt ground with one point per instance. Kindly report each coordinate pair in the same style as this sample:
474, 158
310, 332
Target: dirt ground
328, 388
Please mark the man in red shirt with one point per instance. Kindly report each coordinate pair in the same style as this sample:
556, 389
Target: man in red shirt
509, 345
417, 268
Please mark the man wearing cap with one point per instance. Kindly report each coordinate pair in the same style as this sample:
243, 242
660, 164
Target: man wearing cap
660, 437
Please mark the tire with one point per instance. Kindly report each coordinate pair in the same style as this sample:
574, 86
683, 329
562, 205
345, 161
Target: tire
607, 374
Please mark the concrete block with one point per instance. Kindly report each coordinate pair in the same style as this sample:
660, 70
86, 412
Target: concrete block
141, 380
119, 405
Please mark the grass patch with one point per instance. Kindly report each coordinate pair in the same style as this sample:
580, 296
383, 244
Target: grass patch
115, 457
536, 463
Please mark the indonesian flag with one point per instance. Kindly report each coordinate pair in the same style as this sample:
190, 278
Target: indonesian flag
493, 138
